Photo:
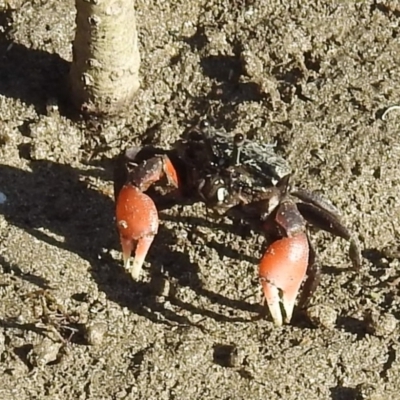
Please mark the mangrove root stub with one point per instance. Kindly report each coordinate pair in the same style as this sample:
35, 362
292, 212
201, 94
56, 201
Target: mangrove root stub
104, 75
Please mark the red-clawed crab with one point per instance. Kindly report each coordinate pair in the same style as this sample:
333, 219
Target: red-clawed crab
239, 178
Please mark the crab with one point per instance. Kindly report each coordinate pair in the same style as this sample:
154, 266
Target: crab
239, 178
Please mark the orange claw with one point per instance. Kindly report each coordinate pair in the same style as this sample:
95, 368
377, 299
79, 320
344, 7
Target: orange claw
137, 223
281, 271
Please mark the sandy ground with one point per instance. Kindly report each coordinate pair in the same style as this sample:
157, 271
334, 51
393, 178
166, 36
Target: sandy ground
315, 77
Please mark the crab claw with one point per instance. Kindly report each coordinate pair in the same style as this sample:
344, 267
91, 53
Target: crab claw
137, 223
281, 271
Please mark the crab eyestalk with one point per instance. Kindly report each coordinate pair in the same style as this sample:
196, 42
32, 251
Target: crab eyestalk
281, 271
137, 223
238, 142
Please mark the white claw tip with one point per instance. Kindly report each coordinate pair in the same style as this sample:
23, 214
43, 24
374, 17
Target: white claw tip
135, 270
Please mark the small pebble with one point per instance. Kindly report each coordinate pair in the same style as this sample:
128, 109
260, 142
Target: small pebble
380, 324
322, 316
95, 333
44, 353
3, 198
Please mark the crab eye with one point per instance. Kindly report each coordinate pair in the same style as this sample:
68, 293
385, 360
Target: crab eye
221, 194
204, 124
239, 139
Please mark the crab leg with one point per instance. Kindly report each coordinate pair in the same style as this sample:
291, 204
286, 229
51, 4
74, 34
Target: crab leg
323, 215
136, 213
313, 277
281, 271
